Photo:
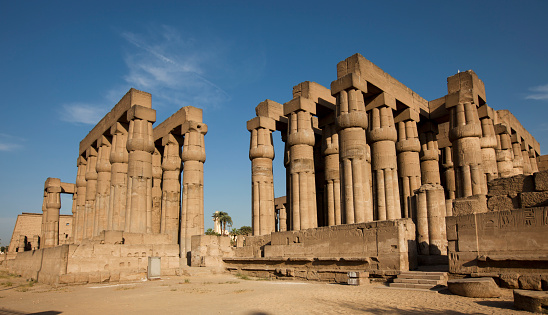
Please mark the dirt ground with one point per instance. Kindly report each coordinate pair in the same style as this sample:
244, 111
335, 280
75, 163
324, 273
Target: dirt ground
206, 293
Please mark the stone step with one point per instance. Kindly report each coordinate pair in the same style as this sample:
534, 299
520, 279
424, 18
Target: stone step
411, 285
430, 273
418, 281
422, 277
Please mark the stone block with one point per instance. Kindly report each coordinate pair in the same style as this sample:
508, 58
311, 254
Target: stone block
95, 277
534, 199
141, 112
66, 279
530, 282
509, 281
511, 185
469, 205
500, 202
532, 301
358, 281
474, 287
541, 180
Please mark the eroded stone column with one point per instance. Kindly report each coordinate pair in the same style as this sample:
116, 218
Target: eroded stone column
118, 180
518, 157
53, 205
154, 218
44, 216
449, 178
527, 169
140, 145
533, 160
91, 192
102, 200
465, 132
383, 136
354, 168
282, 217
193, 156
408, 147
332, 186
78, 220
503, 151
301, 142
488, 144
261, 154
171, 186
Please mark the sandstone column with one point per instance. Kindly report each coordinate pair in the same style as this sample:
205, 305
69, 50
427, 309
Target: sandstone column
503, 151
193, 156
330, 150
533, 161
282, 215
261, 154
91, 192
382, 136
408, 147
354, 168
118, 181
171, 186
155, 216
518, 157
301, 142
465, 132
449, 178
44, 216
488, 144
102, 201
527, 169
53, 205
78, 220
140, 145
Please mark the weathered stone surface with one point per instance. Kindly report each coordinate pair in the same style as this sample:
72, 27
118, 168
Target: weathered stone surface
500, 202
541, 180
534, 199
530, 282
532, 301
511, 185
469, 205
474, 287
509, 281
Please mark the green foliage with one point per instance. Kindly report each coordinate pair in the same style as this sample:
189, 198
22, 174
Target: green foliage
244, 230
211, 232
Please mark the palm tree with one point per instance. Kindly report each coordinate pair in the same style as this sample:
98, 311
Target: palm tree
225, 220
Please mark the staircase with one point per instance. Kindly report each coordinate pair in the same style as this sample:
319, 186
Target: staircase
420, 280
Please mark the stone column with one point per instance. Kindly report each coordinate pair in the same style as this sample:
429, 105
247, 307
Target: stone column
154, 219
118, 180
429, 155
261, 154
91, 192
193, 156
140, 145
44, 215
171, 186
533, 160
282, 216
408, 147
527, 170
332, 189
53, 205
301, 142
78, 220
488, 144
382, 136
449, 178
465, 132
518, 157
355, 170
503, 151
102, 200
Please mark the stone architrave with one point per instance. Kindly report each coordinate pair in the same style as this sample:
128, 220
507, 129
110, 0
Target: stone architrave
518, 157
464, 134
409, 166
503, 152
488, 144
91, 192
118, 181
261, 154
301, 140
140, 145
155, 216
355, 170
332, 189
102, 200
78, 219
171, 186
52, 188
382, 136
193, 156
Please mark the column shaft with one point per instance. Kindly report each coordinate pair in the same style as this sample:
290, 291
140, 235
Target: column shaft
171, 186
118, 182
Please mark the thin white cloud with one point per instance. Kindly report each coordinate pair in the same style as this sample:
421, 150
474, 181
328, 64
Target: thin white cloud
538, 93
10, 143
82, 113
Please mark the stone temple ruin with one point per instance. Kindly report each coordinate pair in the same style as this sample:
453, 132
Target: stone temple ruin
378, 181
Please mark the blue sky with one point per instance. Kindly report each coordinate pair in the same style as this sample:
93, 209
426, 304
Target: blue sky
64, 64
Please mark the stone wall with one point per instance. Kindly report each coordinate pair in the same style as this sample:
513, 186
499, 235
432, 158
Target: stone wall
29, 225
516, 192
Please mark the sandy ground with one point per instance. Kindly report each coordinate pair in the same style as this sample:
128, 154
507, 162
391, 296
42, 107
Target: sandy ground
205, 293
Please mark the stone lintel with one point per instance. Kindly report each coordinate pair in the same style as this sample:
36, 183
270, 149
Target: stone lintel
184, 114
485, 111
261, 122
132, 97
348, 81
407, 114
383, 99
170, 138
313, 91
193, 125
300, 103
141, 112
68, 188
118, 127
271, 109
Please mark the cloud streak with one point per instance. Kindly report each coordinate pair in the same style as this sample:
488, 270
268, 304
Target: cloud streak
80, 113
9, 143
539, 93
